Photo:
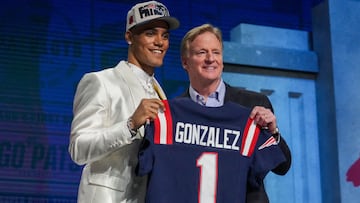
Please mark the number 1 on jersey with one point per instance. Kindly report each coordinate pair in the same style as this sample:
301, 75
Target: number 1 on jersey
208, 164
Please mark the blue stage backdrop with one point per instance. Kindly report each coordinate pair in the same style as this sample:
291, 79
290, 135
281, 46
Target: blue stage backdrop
45, 48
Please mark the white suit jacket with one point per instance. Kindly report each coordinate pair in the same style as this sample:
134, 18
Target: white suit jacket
100, 139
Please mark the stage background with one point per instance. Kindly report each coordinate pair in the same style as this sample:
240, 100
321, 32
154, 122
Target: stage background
47, 45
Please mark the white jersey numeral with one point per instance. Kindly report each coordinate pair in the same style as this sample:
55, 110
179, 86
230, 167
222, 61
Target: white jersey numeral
208, 164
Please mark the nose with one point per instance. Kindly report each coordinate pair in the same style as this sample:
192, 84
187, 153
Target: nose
209, 57
159, 41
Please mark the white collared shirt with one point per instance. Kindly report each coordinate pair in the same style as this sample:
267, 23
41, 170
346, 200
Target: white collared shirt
215, 99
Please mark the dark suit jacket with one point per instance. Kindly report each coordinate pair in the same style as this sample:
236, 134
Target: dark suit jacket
251, 99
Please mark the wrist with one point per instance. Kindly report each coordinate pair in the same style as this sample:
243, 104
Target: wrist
276, 134
275, 131
131, 127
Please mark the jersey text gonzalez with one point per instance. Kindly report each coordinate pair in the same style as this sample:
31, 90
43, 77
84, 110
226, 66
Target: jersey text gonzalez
207, 136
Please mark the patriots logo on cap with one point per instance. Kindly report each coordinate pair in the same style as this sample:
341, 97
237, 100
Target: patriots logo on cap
271, 141
153, 9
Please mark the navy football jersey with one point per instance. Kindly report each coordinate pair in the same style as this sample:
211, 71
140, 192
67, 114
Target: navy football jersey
198, 154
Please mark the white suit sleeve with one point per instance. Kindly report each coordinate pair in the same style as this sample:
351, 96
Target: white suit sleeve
93, 133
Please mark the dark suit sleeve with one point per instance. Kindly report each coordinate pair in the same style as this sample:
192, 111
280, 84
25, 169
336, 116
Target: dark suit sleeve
284, 167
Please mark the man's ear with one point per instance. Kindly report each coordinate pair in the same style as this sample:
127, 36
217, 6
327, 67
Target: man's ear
128, 37
184, 62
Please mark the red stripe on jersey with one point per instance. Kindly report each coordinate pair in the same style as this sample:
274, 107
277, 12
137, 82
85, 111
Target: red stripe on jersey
163, 126
255, 138
157, 131
250, 136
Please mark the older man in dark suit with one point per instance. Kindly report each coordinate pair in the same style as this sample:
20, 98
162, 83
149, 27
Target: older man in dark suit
201, 57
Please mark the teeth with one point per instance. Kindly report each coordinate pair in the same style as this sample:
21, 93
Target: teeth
157, 51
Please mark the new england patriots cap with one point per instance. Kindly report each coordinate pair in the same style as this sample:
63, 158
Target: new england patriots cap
147, 11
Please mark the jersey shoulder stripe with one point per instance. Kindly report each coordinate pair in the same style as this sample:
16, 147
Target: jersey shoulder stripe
250, 137
163, 130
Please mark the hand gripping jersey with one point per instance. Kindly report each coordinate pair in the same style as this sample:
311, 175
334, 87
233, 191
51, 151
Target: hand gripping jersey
198, 154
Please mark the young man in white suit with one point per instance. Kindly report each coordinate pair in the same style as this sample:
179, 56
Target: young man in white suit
111, 106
